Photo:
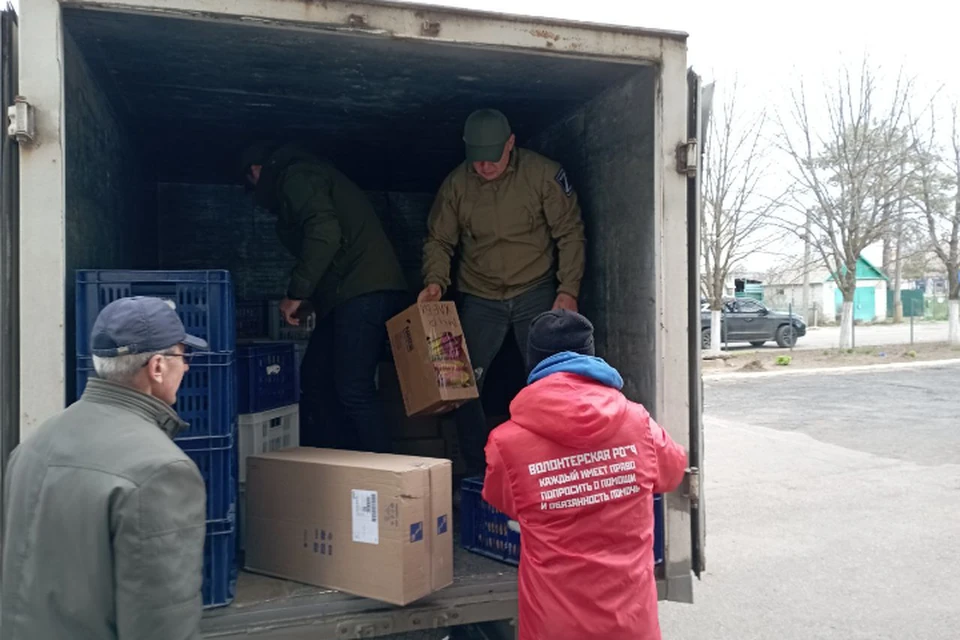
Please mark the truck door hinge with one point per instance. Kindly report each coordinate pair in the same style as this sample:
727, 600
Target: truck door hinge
691, 484
687, 157
21, 121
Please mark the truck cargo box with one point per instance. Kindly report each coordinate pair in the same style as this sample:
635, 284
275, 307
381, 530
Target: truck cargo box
124, 156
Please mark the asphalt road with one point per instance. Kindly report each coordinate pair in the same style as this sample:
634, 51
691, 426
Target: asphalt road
833, 509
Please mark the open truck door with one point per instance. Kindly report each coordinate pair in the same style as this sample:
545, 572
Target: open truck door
9, 251
700, 100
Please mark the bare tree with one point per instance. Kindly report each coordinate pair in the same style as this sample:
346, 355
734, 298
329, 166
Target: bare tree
849, 172
938, 197
733, 210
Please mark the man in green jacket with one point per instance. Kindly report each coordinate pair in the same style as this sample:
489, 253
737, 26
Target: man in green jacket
514, 216
104, 515
347, 268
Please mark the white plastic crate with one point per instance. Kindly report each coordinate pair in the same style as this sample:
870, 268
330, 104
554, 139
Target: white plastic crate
267, 431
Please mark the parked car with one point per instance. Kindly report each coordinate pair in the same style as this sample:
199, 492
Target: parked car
748, 320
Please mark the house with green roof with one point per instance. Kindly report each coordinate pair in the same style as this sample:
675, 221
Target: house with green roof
870, 297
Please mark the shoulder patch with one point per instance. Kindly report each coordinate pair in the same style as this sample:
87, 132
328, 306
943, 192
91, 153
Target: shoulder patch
564, 181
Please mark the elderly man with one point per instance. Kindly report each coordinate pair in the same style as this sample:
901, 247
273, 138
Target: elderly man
514, 216
104, 524
586, 562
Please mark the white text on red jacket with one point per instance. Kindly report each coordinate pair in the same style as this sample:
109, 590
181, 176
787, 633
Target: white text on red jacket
585, 479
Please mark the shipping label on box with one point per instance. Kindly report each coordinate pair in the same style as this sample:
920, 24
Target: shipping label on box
374, 525
431, 359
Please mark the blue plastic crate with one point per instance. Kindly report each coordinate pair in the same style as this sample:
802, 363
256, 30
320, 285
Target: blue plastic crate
203, 299
216, 458
266, 376
484, 531
252, 319
219, 565
207, 398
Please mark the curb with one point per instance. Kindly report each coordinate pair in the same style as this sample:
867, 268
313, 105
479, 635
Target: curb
829, 370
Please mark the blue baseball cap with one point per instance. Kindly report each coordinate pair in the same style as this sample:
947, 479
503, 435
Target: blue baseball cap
139, 325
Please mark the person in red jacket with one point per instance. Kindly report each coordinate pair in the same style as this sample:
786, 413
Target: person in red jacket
577, 466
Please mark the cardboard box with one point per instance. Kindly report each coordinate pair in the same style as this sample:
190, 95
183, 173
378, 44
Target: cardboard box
374, 525
431, 358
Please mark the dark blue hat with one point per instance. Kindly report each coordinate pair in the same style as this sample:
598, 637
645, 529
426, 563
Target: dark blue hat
139, 325
557, 331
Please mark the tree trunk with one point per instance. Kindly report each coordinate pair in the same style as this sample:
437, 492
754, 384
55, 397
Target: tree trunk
846, 325
897, 272
716, 329
849, 291
887, 255
806, 267
954, 321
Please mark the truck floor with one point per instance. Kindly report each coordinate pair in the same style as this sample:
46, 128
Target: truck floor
483, 590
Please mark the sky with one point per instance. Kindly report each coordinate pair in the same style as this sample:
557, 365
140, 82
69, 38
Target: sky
768, 51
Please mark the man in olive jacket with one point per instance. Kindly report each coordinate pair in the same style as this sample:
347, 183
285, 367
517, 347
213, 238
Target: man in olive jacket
347, 268
515, 219
104, 515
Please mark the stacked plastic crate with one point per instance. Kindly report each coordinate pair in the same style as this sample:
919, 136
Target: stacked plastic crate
207, 399
268, 379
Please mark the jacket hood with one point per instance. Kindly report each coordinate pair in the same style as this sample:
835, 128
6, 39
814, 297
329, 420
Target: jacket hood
280, 160
572, 400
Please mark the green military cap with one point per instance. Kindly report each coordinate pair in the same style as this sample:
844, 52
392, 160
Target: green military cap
485, 134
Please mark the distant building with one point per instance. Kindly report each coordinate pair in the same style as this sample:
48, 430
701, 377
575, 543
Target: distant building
785, 289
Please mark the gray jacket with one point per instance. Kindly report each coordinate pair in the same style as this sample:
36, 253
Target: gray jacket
104, 528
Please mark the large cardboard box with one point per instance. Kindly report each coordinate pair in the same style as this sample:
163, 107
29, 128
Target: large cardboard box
431, 358
374, 525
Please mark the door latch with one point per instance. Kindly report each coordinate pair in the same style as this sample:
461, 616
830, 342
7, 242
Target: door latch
691, 484
687, 157
21, 121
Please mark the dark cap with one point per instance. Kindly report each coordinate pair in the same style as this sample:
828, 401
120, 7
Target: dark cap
557, 331
139, 325
256, 153
486, 133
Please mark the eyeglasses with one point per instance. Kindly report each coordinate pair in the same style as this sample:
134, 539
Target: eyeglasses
187, 357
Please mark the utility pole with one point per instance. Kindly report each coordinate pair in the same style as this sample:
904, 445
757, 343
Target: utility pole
806, 267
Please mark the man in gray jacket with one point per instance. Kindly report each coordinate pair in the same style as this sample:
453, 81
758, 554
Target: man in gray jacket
104, 524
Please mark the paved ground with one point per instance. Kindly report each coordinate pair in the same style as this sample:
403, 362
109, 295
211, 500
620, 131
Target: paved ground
829, 337
833, 507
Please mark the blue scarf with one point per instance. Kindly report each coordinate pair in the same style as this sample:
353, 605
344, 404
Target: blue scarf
586, 366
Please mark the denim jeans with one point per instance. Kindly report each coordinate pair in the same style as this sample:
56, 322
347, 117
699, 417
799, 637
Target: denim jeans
485, 326
339, 407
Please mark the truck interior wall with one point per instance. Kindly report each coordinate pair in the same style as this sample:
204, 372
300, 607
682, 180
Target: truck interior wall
217, 226
607, 147
110, 203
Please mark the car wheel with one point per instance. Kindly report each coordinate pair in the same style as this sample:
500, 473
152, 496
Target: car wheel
758, 343
786, 336
705, 339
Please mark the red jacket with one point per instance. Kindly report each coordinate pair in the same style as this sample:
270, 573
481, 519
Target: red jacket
577, 465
